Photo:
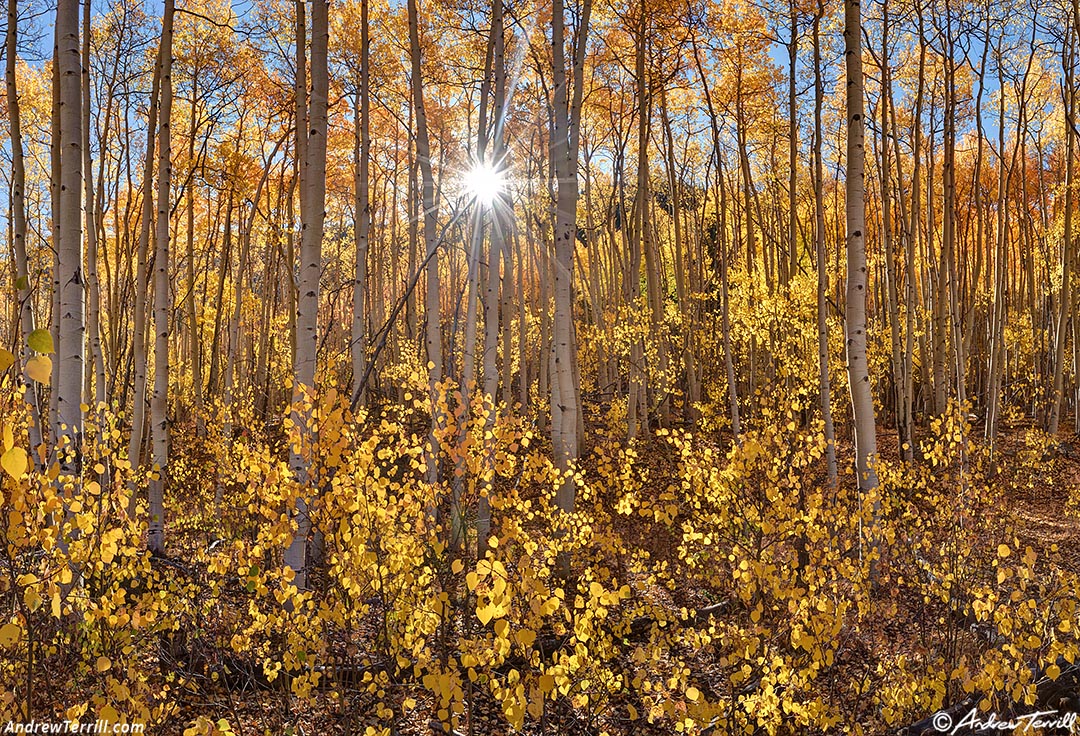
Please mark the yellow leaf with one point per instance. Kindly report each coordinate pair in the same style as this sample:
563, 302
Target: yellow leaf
40, 341
485, 613
457, 566
1053, 671
102, 664
1003, 550
692, 694
14, 461
633, 712
7, 359
39, 368
9, 634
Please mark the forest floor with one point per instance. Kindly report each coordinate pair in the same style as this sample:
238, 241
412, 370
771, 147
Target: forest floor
1041, 513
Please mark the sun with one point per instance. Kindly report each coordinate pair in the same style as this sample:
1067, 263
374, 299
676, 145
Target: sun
485, 183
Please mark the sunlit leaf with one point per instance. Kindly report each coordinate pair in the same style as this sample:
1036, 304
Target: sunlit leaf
40, 341
39, 368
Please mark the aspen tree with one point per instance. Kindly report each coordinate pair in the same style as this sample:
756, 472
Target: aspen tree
824, 387
362, 215
862, 400
313, 213
433, 327
1064, 302
564, 147
159, 422
72, 326
23, 286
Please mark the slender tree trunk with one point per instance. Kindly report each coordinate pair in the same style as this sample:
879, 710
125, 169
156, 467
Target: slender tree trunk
1064, 304
159, 422
433, 328
142, 287
903, 420
637, 406
212, 381
862, 401
312, 215
722, 253
498, 237
824, 387
564, 402
23, 287
363, 210
195, 342
55, 160
793, 146
93, 283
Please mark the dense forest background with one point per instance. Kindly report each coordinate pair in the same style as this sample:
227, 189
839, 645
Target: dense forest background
583, 367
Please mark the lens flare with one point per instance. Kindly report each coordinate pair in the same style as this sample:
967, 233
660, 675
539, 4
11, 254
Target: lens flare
485, 183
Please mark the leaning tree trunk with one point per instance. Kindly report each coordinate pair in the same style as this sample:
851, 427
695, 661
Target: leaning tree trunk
195, 342
312, 215
1065, 300
90, 218
23, 289
636, 404
159, 422
499, 234
824, 387
862, 400
138, 349
363, 210
433, 329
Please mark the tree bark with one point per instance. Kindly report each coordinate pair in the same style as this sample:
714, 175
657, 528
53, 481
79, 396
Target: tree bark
862, 401
1064, 304
824, 386
432, 317
24, 290
69, 387
312, 216
142, 288
159, 423
363, 210
564, 403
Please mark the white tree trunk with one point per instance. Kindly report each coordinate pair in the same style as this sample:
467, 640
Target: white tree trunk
824, 387
313, 200
72, 331
563, 407
862, 400
159, 421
